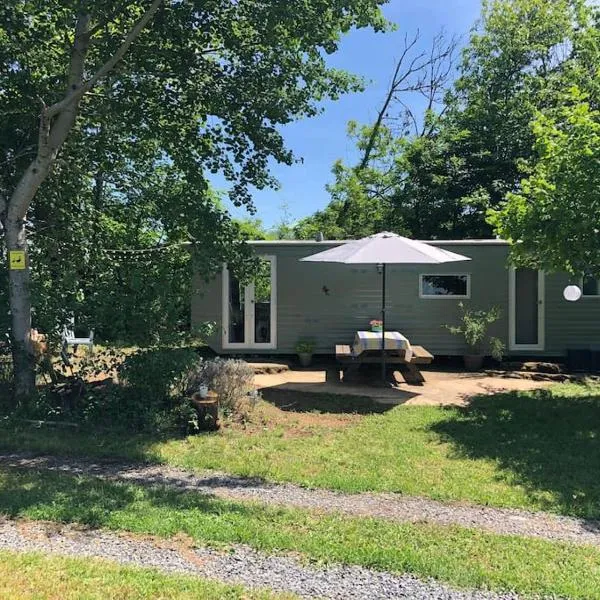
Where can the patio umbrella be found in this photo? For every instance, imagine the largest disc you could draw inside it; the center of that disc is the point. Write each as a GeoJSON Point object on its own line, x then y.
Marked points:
{"type": "Point", "coordinates": [384, 249]}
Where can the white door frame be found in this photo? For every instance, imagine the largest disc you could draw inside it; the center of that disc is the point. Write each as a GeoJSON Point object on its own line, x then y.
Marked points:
{"type": "Point", "coordinates": [512, 334]}
{"type": "Point", "coordinates": [249, 312]}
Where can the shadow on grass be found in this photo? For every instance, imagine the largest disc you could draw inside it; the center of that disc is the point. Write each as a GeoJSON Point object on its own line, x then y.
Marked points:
{"type": "Point", "coordinates": [102, 443]}
{"type": "Point", "coordinates": [304, 401]}
{"type": "Point", "coordinates": [97, 503]}
{"type": "Point", "coordinates": [545, 442]}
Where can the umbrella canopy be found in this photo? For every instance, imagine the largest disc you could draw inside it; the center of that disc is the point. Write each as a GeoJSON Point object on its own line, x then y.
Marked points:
{"type": "Point", "coordinates": [386, 248]}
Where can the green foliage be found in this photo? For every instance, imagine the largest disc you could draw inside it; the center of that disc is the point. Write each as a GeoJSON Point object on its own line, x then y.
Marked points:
{"type": "Point", "coordinates": [126, 211]}
{"type": "Point", "coordinates": [474, 328]}
{"type": "Point", "coordinates": [158, 373]}
{"type": "Point", "coordinates": [148, 394]}
{"type": "Point", "coordinates": [254, 229]}
{"type": "Point", "coordinates": [441, 183]}
{"type": "Point", "coordinates": [554, 219]}
{"type": "Point", "coordinates": [305, 346]}
{"type": "Point", "coordinates": [360, 204]}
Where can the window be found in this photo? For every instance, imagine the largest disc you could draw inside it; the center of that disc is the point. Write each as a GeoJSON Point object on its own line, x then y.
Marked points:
{"type": "Point", "coordinates": [590, 286]}
{"type": "Point", "coordinates": [445, 286]}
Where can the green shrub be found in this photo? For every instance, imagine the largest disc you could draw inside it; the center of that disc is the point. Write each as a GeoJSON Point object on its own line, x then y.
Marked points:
{"type": "Point", "coordinates": [152, 390]}
{"type": "Point", "coordinates": [474, 326]}
{"type": "Point", "coordinates": [148, 396]}
{"type": "Point", "coordinates": [305, 346]}
{"type": "Point", "coordinates": [158, 373]}
{"type": "Point", "coordinates": [5, 381]}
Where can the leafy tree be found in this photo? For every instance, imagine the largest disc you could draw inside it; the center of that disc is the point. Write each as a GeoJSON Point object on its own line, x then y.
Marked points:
{"type": "Point", "coordinates": [253, 228]}
{"type": "Point", "coordinates": [359, 195]}
{"type": "Point", "coordinates": [199, 86]}
{"type": "Point", "coordinates": [440, 179]}
{"type": "Point", "coordinates": [283, 229]}
{"type": "Point", "coordinates": [511, 68]}
{"type": "Point", "coordinates": [554, 220]}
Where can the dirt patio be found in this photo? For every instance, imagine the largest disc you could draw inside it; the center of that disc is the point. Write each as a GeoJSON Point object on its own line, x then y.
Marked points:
{"type": "Point", "coordinates": [441, 387]}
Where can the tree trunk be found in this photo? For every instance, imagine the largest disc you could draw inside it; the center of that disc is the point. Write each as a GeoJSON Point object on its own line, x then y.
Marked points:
{"type": "Point", "coordinates": [20, 309]}
{"type": "Point", "coordinates": [56, 123]}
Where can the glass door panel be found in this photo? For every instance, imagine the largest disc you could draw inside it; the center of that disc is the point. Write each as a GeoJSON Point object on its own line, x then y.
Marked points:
{"type": "Point", "coordinates": [249, 310]}
{"type": "Point", "coordinates": [262, 303]}
{"type": "Point", "coordinates": [237, 311]}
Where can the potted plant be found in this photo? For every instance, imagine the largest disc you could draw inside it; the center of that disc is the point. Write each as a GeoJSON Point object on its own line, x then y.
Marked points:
{"type": "Point", "coordinates": [376, 325]}
{"type": "Point", "coordinates": [305, 349]}
{"type": "Point", "coordinates": [473, 327]}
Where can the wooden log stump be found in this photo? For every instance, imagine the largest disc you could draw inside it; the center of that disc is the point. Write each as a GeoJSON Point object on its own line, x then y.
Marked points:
{"type": "Point", "coordinates": [207, 410]}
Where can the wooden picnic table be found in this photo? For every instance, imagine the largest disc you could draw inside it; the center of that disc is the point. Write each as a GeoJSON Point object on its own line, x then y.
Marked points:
{"type": "Point", "coordinates": [401, 355]}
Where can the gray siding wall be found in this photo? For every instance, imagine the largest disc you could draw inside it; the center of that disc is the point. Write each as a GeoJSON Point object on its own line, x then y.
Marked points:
{"type": "Point", "coordinates": [569, 324]}
{"type": "Point", "coordinates": [354, 298]}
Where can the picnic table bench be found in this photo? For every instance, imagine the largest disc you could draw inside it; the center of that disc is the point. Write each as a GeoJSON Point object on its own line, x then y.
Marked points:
{"type": "Point", "coordinates": [402, 357]}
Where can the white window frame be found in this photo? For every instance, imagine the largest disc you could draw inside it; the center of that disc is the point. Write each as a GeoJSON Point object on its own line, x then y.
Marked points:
{"type": "Point", "coordinates": [512, 312]}
{"type": "Point", "coordinates": [592, 296]}
{"type": "Point", "coordinates": [249, 315]}
{"type": "Point", "coordinates": [444, 296]}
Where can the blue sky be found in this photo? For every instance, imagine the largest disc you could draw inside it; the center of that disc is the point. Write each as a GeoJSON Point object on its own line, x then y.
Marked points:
{"type": "Point", "coordinates": [322, 140]}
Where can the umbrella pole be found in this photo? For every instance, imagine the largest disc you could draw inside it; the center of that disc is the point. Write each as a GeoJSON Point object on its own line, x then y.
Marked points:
{"type": "Point", "coordinates": [383, 324]}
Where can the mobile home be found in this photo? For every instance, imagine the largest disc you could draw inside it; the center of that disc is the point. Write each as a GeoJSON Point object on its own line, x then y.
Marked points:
{"type": "Point", "coordinates": [292, 300]}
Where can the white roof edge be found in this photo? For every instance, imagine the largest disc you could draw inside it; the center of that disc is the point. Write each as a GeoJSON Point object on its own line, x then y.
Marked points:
{"type": "Point", "coordinates": [465, 242]}
{"type": "Point", "coordinates": [468, 242]}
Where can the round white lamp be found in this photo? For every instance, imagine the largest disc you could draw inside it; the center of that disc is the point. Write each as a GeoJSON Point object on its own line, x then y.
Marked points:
{"type": "Point", "coordinates": [572, 293]}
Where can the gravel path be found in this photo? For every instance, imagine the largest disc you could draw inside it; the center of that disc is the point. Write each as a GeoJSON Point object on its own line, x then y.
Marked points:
{"type": "Point", "coordinates": [240, 565]}
{"type": "Point", "coordinates": [395, 507]}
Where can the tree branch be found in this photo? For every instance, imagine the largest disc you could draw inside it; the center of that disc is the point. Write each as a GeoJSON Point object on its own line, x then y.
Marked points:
{"type": "Point", "coordinates": [44, 130]}
{"type": "Point", "coordinates": [77, 94]}
{"type": "Point", "coordinates": [397, 79]}
{"type": "Point", "coordinates": [53, 134]}
{"type": "Point", "coordinates": [427, 73]}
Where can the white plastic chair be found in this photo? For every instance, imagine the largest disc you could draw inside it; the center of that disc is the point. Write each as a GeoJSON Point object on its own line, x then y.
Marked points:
{"type": "Point", "coordinates": [70, 339]}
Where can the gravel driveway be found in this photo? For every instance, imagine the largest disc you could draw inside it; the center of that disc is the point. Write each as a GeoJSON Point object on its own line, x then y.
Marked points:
{"type": "Point", "coordinates": [240, 565]}
{"type": "Point", "coordinates": [395, 507]}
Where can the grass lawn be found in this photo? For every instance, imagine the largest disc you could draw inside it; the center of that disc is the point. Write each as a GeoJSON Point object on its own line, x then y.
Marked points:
{"type": "Point", "coordinates": [536, 450]}
{"type": "Point", "coordinates": [460, 556]}
{"type": "Point", "coordinates": [34, 576]}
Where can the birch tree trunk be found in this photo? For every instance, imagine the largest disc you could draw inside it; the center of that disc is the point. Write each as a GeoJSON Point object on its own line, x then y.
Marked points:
{"type": "Point", "coordinates": [15, 236]}
{"type": "Point", "coordinates": [20, 307]}
{"type": "Point", "coordinates": [56, 123]}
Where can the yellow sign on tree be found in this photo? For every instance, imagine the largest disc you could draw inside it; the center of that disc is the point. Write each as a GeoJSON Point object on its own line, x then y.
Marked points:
{"type": "Point", "coordinates": [16, 260]}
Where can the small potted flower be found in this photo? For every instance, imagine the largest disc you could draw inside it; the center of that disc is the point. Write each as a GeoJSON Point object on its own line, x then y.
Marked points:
{"type": "Point", "coordinates": [376, 325]}
{"type": "Point", "coordinates": [305, 349]}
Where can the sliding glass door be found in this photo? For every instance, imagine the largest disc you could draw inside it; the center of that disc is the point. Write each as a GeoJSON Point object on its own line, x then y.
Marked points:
{"type": "Point", "coordinates": [250, 310]}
